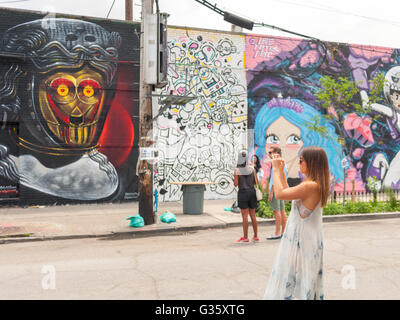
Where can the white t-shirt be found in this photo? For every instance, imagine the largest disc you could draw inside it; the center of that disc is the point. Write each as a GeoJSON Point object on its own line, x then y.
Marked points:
{"type": "Point", "coordinates": [260, 174]}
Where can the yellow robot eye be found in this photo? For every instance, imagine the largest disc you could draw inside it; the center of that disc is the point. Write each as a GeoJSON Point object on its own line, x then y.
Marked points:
{"type": "Point", "coordinates": [63, 90]}
{"type": "Point", "coordinates": [88, 91]}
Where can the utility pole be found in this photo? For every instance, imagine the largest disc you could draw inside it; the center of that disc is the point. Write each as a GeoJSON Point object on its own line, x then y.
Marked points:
{"type": "Point", "coordinates": [129, 10]}
{"type": "Point", "coordinates": [145, 167]}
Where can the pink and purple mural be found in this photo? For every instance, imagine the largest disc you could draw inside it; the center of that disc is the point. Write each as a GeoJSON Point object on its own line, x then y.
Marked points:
{"type": "Point", "coordinates": [283, 75]}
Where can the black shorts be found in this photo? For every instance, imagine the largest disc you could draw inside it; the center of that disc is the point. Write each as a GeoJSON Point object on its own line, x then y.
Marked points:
{"type": "Point", "coordinates": [247, 199]}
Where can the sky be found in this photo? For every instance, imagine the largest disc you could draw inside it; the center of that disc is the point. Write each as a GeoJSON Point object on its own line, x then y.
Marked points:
{"type": "Point", "coordinates": [368, 22]}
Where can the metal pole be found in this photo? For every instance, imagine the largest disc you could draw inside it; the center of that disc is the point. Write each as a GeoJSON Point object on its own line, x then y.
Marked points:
{"type": "Point", "coordinates": [145, 167]}
{"type": "Point", "coordinates": [129, 10]}
{"type": "Point", "coordinates": [344, 185]}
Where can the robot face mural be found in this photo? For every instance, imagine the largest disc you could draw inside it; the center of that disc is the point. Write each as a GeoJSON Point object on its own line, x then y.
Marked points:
{"type": "Point", "coordinates": [71, 84]}
{"type": "Point", "coordinates": [61, 94]}
{"type": "Point", "coordinates": [71, 105]}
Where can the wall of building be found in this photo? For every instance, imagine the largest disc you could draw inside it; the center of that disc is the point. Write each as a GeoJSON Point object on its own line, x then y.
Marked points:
{"type": "Point", "coordinates": [200, 140]}
{"type": "Point", "coordinates": [68, 109]}
{"type": "Point", "coordinates": [69, 91]}
{"type": "Point", "coordinates": [263, 87]}
{"type": "Point", "coordinates": [283, 74]}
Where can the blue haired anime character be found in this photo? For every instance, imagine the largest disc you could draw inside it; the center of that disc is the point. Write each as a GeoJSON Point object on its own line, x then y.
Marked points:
{"type": "Point", "coordinates": [283, 122]}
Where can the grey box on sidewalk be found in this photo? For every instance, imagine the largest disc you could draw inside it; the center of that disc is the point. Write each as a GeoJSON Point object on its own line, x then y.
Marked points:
{"type": "Point", "coordinates": [193, 199]}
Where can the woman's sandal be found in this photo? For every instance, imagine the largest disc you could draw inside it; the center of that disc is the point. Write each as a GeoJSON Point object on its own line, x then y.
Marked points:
{"type": "Point", "coordinates": [274, 237]}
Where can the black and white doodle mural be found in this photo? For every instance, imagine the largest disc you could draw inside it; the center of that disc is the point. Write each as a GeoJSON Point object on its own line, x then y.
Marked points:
{"type": "Point", "coordinates": [199, 141]}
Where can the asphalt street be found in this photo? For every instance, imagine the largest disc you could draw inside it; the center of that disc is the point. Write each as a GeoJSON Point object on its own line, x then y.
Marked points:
{"type": "Point", "coordinates": [361, 261]}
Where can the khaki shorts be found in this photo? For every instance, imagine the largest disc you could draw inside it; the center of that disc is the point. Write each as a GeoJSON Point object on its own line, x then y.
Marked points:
{"type": "Point", "coordinates": [276, 204]}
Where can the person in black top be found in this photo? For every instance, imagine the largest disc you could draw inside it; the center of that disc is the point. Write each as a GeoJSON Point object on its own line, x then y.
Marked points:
{"type": "Point", "coordinates": [259, 169]}
{"type": "Point", "coordinates": [256, 163]}
{"type": "Point", "coordinates": [245, 178]}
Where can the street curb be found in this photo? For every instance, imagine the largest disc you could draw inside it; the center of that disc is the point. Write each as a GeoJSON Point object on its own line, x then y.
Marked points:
{"type": "Point", "coordinates": [173, 230]}
{"type": "Point", "coordinates": [360, 216]}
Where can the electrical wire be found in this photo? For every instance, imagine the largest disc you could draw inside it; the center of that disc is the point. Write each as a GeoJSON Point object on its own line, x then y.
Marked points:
{"type": "Point", "coordinates": [210, 6]}
{"type": "Point", "coordinates": [262, 24]}
{"type": "Point", "coordinates": [336, 10]}
{"type": "Point", "coordinates": [112, 6]}
{"type": "Point", "coordinates": [221, 12]}
{"type": "Point", "coordinates": [318, 42]}
{"type": "Point", "coordinates": [13, 1]}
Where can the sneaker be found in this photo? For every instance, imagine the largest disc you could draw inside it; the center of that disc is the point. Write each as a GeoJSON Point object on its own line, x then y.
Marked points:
{"type": "Point", "coordinates": [274, 237]}
{"type": "Point", "coordinates": [255, 239]}
{"type": "Point", "coordinates": [242, 240]}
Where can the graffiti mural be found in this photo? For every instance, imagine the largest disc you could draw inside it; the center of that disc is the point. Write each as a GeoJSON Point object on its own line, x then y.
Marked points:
{"type": "Point", "coordinates": [380, 157]}
{"type": "Point", "coordinates": [63, 92]}
{"type": "Point", "coordinates": [268, 84]}
{"type": "Point", "coordinates": [199, 141]}
{"type": "Point", "coordinates": [282, 77]}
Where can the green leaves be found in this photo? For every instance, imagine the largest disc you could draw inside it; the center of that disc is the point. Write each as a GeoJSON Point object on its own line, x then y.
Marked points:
{"type": "Point", "coordinates": [342, 94]}
{"type": "Point", "coordinates": [316, 125]}
{"type": "Point", "coordinates": [264, 209]}
{"type": "Point", "coordinates": [373, 183]}
{"type": "Point", "coordinates": [393, 205]}
{"type": "Point", "coordinates": [376, 87]}
{"type": "Point", "coordinates": [340, 97]}
{"type": "Point", "coordinates": [336, 93]}
{"type": "Point", "coordinates": [360, 207]}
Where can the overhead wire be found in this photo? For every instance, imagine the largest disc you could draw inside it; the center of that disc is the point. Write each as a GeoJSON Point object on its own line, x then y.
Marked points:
{"type": "Point", "coordinates": [362, 47]}
{"type": "Point", "coordinates": [13, 1]}
{"type": "Point", "coordinates": [323, 7]}
{"type": "Point", "coordinates": [112, 6]}
{"type": "Point", "coordinates": [318, 41]}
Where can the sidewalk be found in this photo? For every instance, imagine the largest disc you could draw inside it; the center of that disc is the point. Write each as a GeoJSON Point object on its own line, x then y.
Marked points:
{"type": "Point", "coordinates": [109, 221]}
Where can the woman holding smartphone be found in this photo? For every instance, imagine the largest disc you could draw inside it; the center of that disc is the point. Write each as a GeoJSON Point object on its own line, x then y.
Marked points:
{"type": "Point", "coordinates": [298, 270]}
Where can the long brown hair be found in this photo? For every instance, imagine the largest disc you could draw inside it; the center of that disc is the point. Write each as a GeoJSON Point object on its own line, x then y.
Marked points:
{"type": "Point", "coordinates": [318, 169]}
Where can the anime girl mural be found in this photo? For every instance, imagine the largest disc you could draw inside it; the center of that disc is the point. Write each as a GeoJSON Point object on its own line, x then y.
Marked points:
{"type": "Point", "coordinates": [283, 111]}
{"type": "Point", "coordinates": [384, 166]}
{"type": "Point", "coordinates": [283, 122]}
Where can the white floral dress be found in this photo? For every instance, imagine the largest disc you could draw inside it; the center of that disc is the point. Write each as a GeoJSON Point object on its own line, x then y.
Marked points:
{"type": "Point", "coordinates": [297, 271]}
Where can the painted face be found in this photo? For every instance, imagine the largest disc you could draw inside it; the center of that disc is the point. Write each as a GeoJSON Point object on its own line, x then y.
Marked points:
{"type": "Point", "coordinates": [285, 135]}
{"type": "Point", "coordinates": [71, 104]}
{"type": "Point", "coordinates": [395, 97]}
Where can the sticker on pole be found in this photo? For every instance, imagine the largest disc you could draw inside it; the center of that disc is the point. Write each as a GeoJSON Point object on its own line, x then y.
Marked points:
{"type": "Point", "coordinates": [345, 163]}
{"type": "Point", "coordinates": [148, 153]}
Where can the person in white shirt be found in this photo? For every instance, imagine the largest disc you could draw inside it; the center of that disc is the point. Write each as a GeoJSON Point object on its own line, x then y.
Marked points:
{"type": "Point", "coordinates": [277, 205]}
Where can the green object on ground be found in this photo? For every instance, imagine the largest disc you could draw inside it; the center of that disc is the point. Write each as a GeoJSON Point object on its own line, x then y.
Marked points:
{"type": "Point", "coordinates": [168, 217]}
{"type": "Point", "coordinates": [136, 221]}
